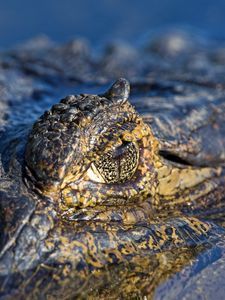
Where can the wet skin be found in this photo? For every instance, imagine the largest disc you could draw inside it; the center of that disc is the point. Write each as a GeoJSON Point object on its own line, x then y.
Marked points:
{"type": "Point", "coordinates": [93, 192]}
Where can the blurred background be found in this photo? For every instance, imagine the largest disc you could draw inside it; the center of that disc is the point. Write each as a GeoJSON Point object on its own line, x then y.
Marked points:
{"type": "Point", "coordinates": [102, 20]}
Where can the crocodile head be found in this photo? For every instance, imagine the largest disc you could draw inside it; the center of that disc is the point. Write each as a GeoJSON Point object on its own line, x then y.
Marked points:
{"type": "Point", "coordinates": [95, 150]}
{"type": "Point", "coordinates": [95, 159]}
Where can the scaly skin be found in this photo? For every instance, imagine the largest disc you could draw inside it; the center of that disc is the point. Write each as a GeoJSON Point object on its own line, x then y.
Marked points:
{"type": "Point", "coordinates": [67, 144]}
{"type": "Point", "coordinates": [101, 202]}
{"type": "Point", "coordinates": [68, 150]}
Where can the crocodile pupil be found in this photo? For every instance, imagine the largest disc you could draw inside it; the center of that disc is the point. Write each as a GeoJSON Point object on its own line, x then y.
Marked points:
{"type": "Point", "coordinates": [119, 165]}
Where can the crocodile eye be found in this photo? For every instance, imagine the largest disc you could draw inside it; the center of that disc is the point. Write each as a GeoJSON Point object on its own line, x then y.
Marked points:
{"type": "Point", "coordinates": [117, 165]}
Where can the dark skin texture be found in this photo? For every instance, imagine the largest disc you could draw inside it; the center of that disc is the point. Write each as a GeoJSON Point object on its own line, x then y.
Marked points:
{"type": "Point", "coordinates": [87, 244]}
{"type": "Point", "coordinates": [72, 228]}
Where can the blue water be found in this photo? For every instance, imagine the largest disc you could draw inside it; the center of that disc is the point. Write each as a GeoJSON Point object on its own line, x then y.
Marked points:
{"type": "Point", "coordinates": [101, 20]}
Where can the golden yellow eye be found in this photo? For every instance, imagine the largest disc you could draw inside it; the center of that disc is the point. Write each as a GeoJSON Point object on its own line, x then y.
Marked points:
{"type": "Point", "coordinates": [117, 165]}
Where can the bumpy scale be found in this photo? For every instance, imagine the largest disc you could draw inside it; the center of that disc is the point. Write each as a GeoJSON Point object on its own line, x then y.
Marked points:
{"type": "Point", "coordinates": [94, 150]}
{"type": "Point", "coordinates": [95, 178]}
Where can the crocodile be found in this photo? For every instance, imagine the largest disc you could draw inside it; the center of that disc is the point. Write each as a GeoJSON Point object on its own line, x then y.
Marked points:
{"type": "Point", "coordinates": [99, 201]}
